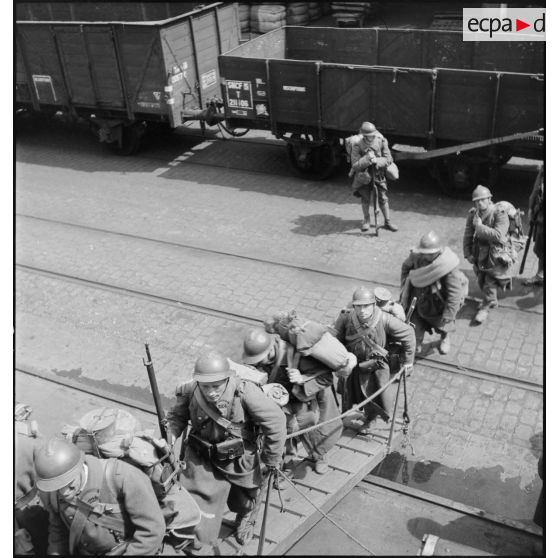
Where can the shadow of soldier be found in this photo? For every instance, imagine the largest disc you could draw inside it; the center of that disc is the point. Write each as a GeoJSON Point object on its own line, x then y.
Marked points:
{"type": "Point", "coordinates": [323, 224]}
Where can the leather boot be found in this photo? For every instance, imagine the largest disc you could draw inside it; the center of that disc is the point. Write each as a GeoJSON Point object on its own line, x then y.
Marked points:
{"type": "Point", "coordinates": [387, 223]}
{"type": "Point", "coordinates": [244, 530]}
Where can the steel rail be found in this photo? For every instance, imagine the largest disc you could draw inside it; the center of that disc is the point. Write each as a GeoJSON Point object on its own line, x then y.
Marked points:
{"type": "Point", "coordinates": [451, 504]}
{"type": "Point", "coordinates": [379, 482]}
{"type": "Point", "coordinates": [319, 270]}
{"type": "Point", "coordinates": [257, 320]}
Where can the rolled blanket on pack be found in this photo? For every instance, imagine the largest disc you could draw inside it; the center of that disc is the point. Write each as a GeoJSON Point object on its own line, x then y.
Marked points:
{"type": "Point", "coordinates": [422, 277]}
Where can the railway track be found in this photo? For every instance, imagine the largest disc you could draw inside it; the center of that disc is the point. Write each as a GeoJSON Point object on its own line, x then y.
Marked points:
{"type": "Point", "coordinates": [256, 320]}
{"type": "Point", "coordinates": [242, 257]}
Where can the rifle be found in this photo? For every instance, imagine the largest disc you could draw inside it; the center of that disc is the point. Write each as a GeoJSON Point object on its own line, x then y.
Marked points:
{"type": "Point", "coordinates": [532, 227]}
{"type": "Point", "coordinates": [376, 208]}
{"type": "Point", "coordinates": [156, 394]}
{"type": "Point", "coordinates": [411, 310]}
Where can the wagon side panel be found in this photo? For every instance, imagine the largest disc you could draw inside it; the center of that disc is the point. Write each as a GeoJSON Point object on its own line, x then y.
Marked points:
{"type": "Point", "coordinates": [142, 69]}
{"type": "Point", "coordinates": [245, 92]}
{"type": "Point", "coordinates": [397, 102]}
{"type": "Point", "coordinates": [464, 105]}
{"type": "Point", "coordinates": [511, 116]}
{"type": "Point", "coordinates": [42, 67]}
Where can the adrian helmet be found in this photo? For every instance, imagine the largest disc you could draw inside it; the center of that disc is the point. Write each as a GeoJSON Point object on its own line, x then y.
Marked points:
{"type": "Point", "coordinates": [57, 464]}
{"type": "Point", "coordinates": [212, 367]}
{"type": "Point", "coordinates": [481, 192]}
{"type": "Point", "coordinates": [257, 344]}
{"type": "Point", "coordinates": [363, 296]}
{"type": "Point", "coordinates": [430, 243]}
{"type": "Point", "coordinates": [367, 129]}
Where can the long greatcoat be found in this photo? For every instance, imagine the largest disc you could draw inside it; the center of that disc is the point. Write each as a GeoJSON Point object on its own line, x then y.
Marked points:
{"type": "Point", "coordinates": [209, 481]}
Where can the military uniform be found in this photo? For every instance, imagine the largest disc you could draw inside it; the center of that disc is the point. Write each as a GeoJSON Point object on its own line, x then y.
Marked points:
{"type": "Point", "coordinates": [377, 150]}
{"type": "Point", "coordinates": [368, 341]}
{"type": "Point", "coordinates": [310, 402]}
{"type": "Point", "coordinates": [440, 293]}
{"type": "Point", "coordinates": [210, 479]}
{"type": "Point", "coordinates": [116, 510]}
{"type": "Point", "coordinates": [31, 519]}
{"type": "Point", "coordinates": [537, 215]}
{"type": "Point", "coordinates": [483, 244]}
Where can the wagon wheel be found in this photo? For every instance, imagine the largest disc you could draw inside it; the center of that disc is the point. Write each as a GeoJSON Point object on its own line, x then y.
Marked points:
{"type": "Point", "coordinates": [131, 139]}
{"type": "Point", "coordinates": [312, 162]}
{"type": "Point", "coordinates": [457, 176]}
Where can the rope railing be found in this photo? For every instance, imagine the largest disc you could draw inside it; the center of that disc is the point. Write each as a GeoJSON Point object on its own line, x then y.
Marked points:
{"type": "Point", "coordinates": [350, 411]}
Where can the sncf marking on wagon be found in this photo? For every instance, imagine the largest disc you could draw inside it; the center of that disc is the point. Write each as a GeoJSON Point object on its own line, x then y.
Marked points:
{"type": "Point", "coordinates": [239, 94]}
{"type": "Point", "coordinates": [297, 88]}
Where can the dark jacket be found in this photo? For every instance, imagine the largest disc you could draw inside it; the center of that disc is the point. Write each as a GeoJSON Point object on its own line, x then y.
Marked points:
{"type": "Point", "coordinates": [440, 301]}
{"type": "Point", "coordinates": [381, 329]}
{"type": "Point", "coordinates": [482, 242]}
{"type": "Point", "coordinates": [242, 403]}
{"type": "Point", "coordinates": [130, 498]}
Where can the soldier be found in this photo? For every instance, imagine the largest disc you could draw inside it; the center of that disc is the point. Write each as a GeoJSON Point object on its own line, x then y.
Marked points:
{"type": "Point", "coordinates": [308, 382]}
{"type": "Point", "coordinates": [30, 517]}
{"type": "Point", "coordinates": [485, 244]}
{"type": "Point", "coordinates": [366, 330]}
{"type": "Point", "coordinates": [97, 506]}
{"type": "Point", "coordinates": [431, 273]}
{"type": "Point", "coordinates": [536, 217]}
{"type": "Point", "coordinates": [371, 155]}
{"type": "Point", "coordinates": [385, 302]}
{"type": "Point", "coordinates": [231, 419]}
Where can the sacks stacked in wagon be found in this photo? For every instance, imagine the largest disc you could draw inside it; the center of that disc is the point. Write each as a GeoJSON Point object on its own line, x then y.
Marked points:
{"type": "Point", "coordinates": [297, 13]}
{"type": "Point", "coordinates": [314, 10]}
{"type": "Point", "coordinates": [244, 17]}
{"type": "Point", "coordinates": [353, 10]}
{"type": "Point", "coordinates": [312, 339]}
{"type": "Point", "coordinates": [267, 17]}
{"type": "Point", "coordinates": [107, 432]}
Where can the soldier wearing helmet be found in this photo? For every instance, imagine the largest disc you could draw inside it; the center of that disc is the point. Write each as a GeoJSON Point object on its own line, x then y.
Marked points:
{"type": "Point", "coordinates": [370, 155]}
{"type": "Point", "coordinates": [96, 506]}
{"type": "Point", "coordinates": [366, 331]}
{"type": "Point", "coordinates": [431, 274]}
{"type": "Point", "coordinates": [484, 240]}
{"type": "Point", "coordinates": [30, 517]}
{"type": "Point", "coordinates": [308, 382]}
{"type": "Point", "coordinates": [237, 436]}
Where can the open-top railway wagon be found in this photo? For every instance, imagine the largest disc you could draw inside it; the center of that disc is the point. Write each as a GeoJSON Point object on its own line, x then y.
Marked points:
{"type": "Point", "coordinates": [123, 75]}
{"type": "Point", "coordinates": [470, 103]}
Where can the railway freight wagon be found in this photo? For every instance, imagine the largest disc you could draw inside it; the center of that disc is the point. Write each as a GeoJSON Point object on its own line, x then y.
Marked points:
{"type": "Point", "coordinates": [124, 76]}
{"type": "Point", "coordinates": [468, 105]}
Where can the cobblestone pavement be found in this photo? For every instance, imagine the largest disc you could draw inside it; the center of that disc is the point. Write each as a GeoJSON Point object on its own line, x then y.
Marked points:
{"type": "Point", "coordinates": [65, 327]}
{"type": "Point", "coordinates": [511, 347]}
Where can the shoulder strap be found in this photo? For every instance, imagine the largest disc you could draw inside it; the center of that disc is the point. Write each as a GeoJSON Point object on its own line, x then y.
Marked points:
{"type": "Point", "coordinates": [215, 416]}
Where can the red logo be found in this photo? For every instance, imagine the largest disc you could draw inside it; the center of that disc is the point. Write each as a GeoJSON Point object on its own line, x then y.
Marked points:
{"type": "Point", "coordinates": [519, 25]}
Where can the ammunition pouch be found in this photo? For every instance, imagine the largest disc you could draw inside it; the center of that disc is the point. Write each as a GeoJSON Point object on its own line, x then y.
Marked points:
{"type": "Point", "coordinates": [229, 449]}
{"type": "Point", "coordinates": [200, 446]}
{"type": "Point", "coordinates": [222, 451]}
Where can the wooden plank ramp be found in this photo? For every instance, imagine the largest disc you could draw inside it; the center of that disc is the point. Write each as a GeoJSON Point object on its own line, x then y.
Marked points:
{"type": "Point", "coordinates": [352, 458]}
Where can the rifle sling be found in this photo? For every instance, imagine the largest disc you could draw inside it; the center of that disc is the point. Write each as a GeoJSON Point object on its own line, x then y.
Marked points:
{"type": "Point", "coordinates": [20, 503]}
{"type": "Point", "coordinates": [229, 426]}
{"type": "Point", "coordinates": [362, 334]}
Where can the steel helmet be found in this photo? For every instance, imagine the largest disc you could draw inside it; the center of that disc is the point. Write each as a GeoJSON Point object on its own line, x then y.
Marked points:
{"type": "Point", "coordinates": [57, 464]}
{"type": "Point", "coordinates": [257, 344]}
{"type": "Point", "coordinates": [212, 367]}
{"type": "Point", "coordinates": [430, 243]}
{"type": "Point", "coordinates": [367, 129]}
{"type": "Point", "coordinates": [481, 192]}
{"type": "Point", "coordinates": [363, 295]}
{"type": "Point", "coordinates": [382, 295]}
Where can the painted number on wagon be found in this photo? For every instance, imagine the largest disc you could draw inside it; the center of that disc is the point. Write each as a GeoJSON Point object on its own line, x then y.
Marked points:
{"type": "Point", "coordinates": [239, 94]}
